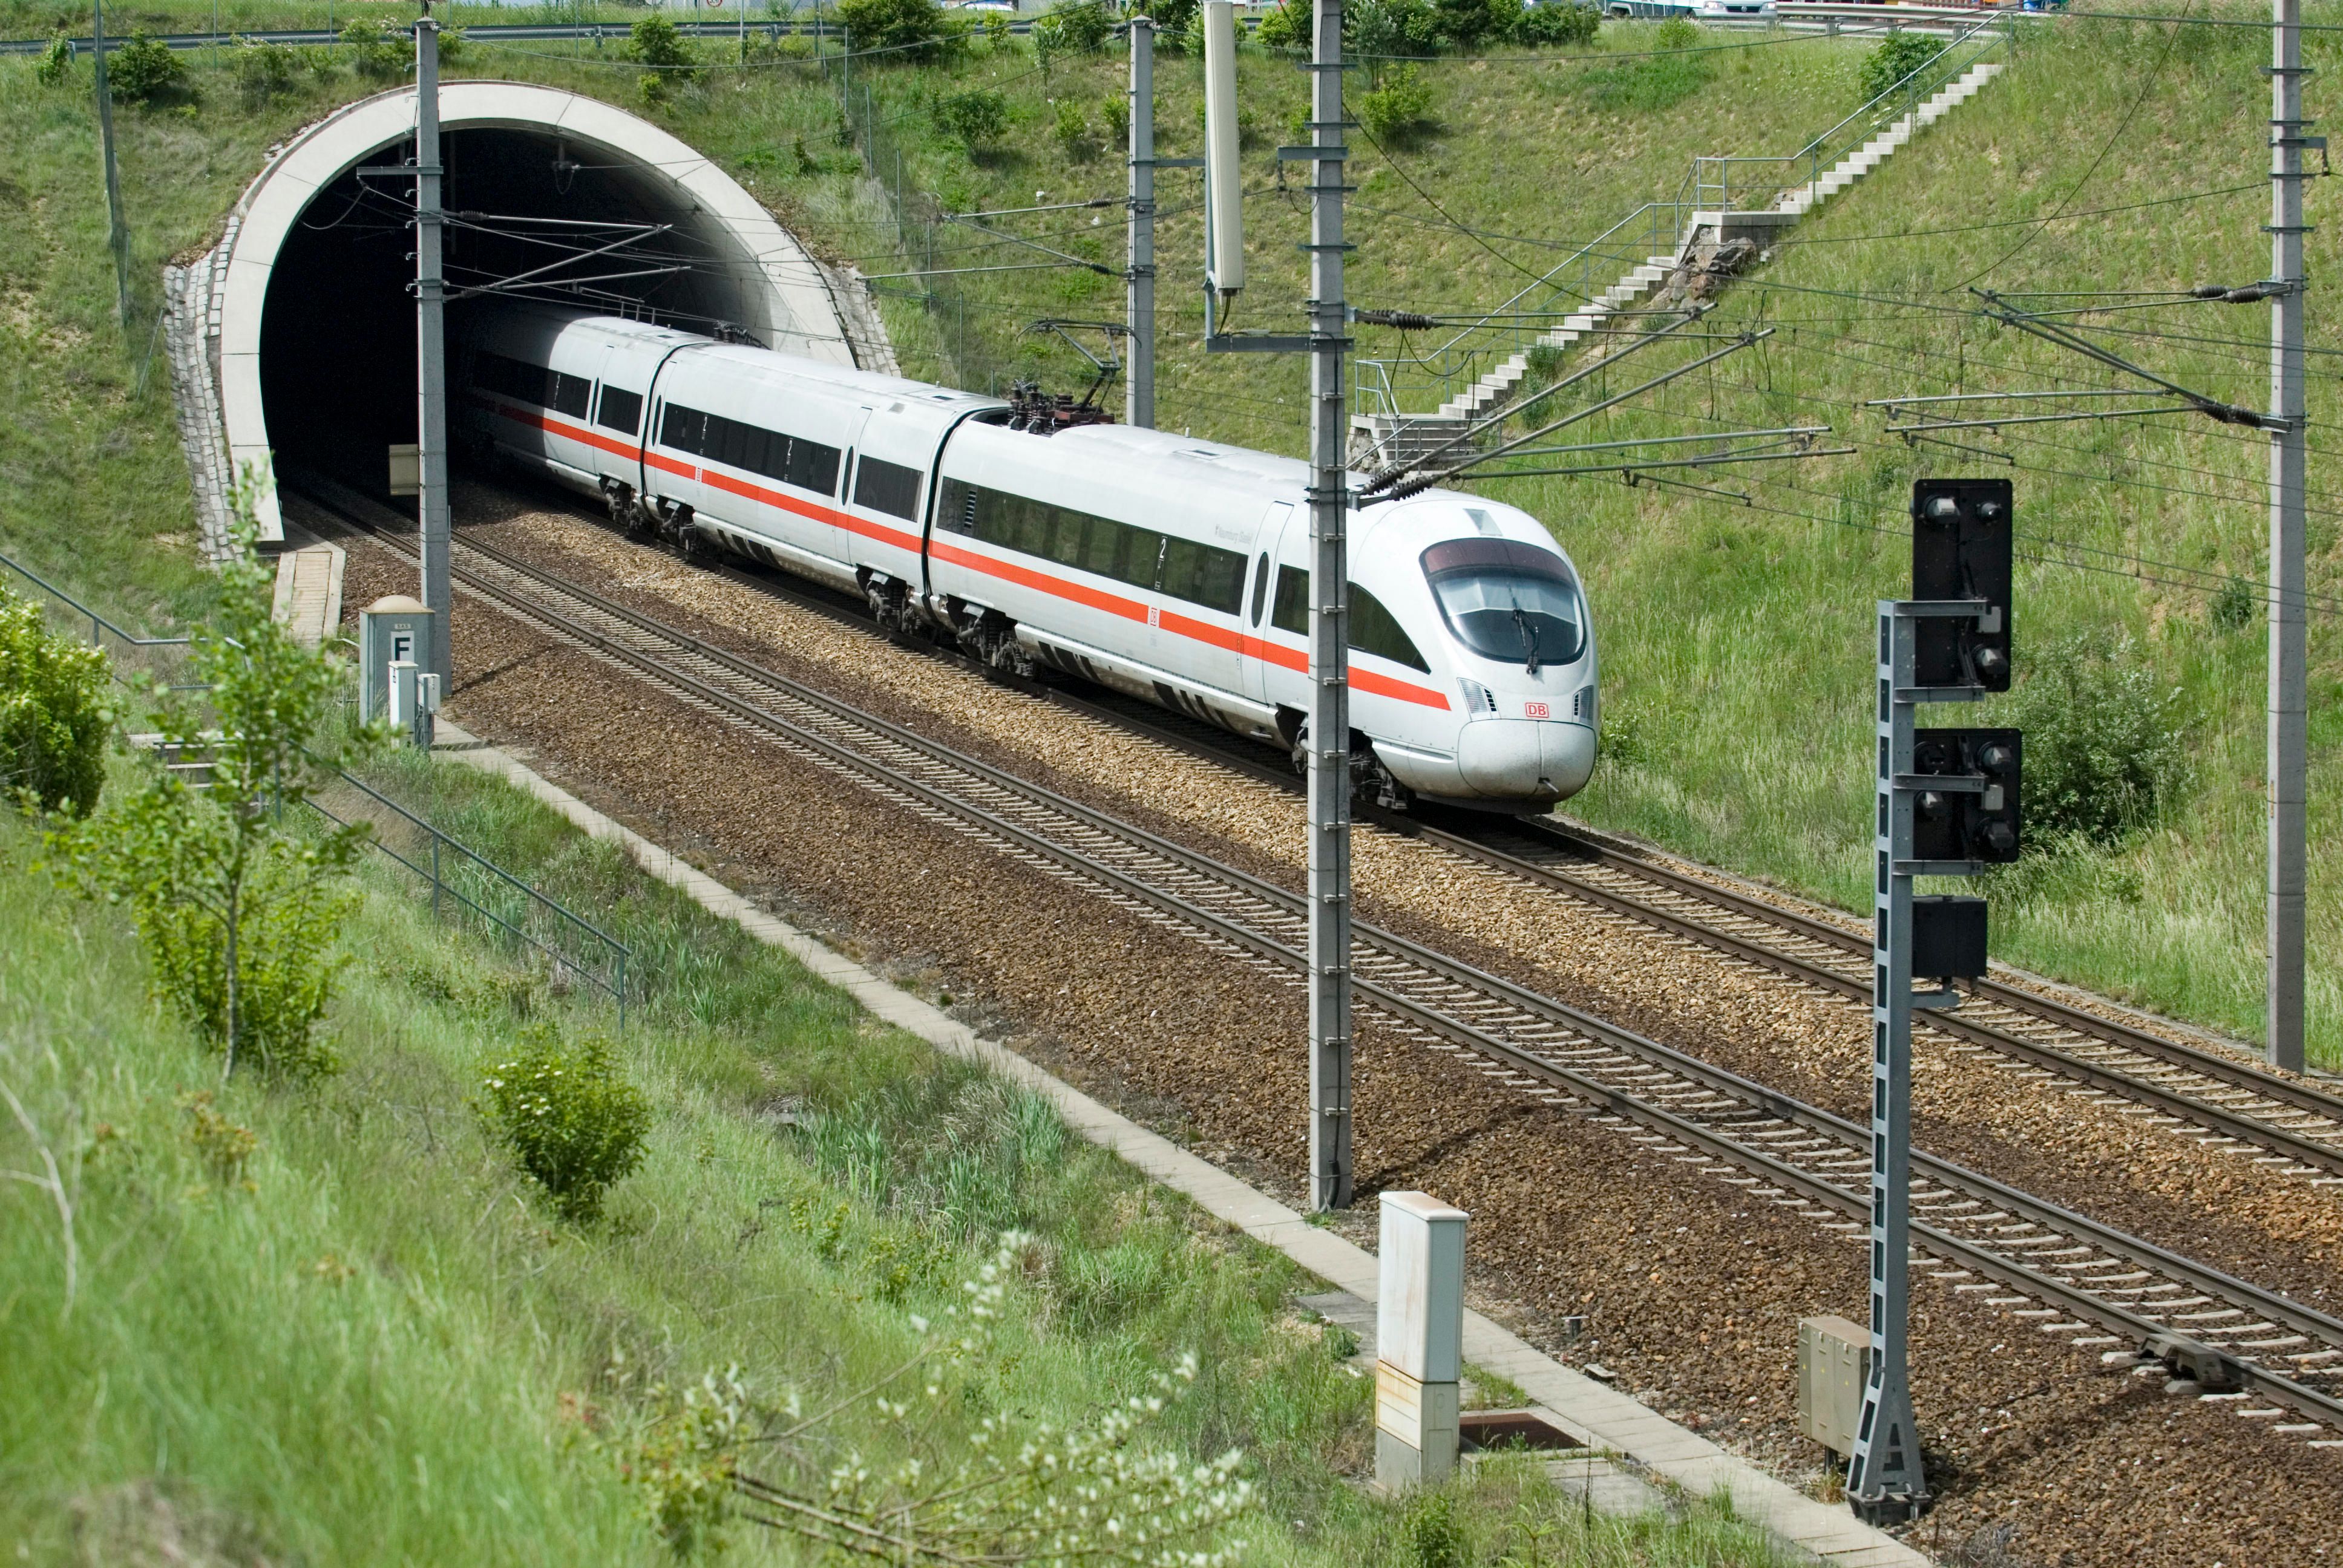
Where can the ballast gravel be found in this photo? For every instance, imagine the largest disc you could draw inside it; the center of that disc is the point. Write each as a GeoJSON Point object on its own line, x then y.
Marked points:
{"type": "Point", "coordinates": [1690, 1292]}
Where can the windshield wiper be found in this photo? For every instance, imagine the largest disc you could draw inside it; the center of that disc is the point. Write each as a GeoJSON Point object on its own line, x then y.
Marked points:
{"type": "Point", "coordinates": [1529, 637]}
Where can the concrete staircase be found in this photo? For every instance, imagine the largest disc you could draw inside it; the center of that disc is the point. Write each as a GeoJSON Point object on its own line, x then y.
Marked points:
{"type": "Point", "coordinates": [1385, 440]}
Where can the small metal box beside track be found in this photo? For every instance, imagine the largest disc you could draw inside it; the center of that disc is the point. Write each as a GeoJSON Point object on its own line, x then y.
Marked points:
{"type": "Point", "coordinates": [1834, 1360]}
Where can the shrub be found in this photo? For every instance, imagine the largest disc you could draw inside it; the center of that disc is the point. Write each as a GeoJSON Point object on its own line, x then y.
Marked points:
{"type": "Point", "coordinates": [1558, 23]}
{"type": "Point", "coordinates": [564, 1113]}
{"type": "Point", "coordinates": [376, 51]}
{"type": "Point", "coordinates": [2235, 607]}
{"type": "Point", "coordinates": [1000, 32]}
{"type": "Point", "coordinates": [1070, 124]}
{"type": "Point", "coordinates": [655, 44]}
{"type": "Point", "coordinates": [57, 62]}
{"type": "Point", "coordinates": [977, 117]}
{"type": "Point", "coordinates": [54, 714]}
{"type": "Point", "coordinates": [239, 915]}
{"type": "Point", "coordinates": [1117, 110]}
{"type": "Point", "coordinates": [1286, 27]}
{"type": "Point", "coordinates": [917, 29]}
{"type": "Point", "coordinates": [1898, 56]}
{"type": "Point", "coordinates": [1175, 21]}
{"type": "Point", "coordinates": [262, 70]}
{"type": "Point", "coordinates": [1399, 109]}
{"type": "Point", "coordinates": [143, 71]}
{"type": "Point", "coordinates": [1468, 24]}
{"type": "Point", "coordinates": [1390, 27]}
{"type": "Point", "coordinates": [2105, 749]}
{"type": "Point", "coordinates": [1676, 32]}
{"type": "Point", "coordinates": [1080, 28]}
{"type": "Point", "coordinates": [1432, 1534]}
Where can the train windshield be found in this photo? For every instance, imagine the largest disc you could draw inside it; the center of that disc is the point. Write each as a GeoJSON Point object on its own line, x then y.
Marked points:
{"type": "Point", "coordinates": [1508, 601]}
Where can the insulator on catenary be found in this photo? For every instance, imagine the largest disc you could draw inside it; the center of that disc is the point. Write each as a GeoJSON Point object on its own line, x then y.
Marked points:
{"type": "Point", "coordinates": [1405, 321]}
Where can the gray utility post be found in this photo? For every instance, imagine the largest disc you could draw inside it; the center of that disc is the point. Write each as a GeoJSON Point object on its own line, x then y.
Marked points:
{"type": "Point", "coordinates": [2289, 757]}
{"type": "Point", "coordinates": [1139, 282]}
{"type": "Point", "coordinates": [431, 353]}
{"type": "Point", "coordinates": [1330, 622]}
{"type": "Point", "coordinates": [117, 227]}
{"type": "Point", "coordinates": [1884, 1476]}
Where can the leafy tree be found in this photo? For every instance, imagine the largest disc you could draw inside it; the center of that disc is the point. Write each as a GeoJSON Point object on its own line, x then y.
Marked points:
{"type": "Point", "coordinates": [1468, 24]}
{"type": "Point", "coordinates": [263, 70]}
{"type": "Point", "coordinates": [568, 1116]}
{"type": "Point", "coordinates": [143, 71]}
{"type": "Point", "coordinates": [239, 915]}
{"type": "Point", "coordinates": [1898, 56]}
{"type": "Point", "coordinates": [1286, 27]}
{"type": "Point", "coordinates": [376, 51]}
{"type": "Point", "coordinates": [1000, 32]}
{"type": "Point", "coordinates": [1080, 28]}
{"type": "Point", "coordinates": [1558, 23]}
{"type": "Point", "coordinates": [54, 714]}
{"type": "Point", "coordinates": [1398, 110]}
{"type": "Point", "coordinates": [1389, 27]}
{"type": "Point", "coordinates": [918, 29]}
{"type": "Point", "coordinates": [977, 117]}
{"type": "Point", "coordinates": [57, 62]}
{"type": "Point", "coordinates": [655, 43]}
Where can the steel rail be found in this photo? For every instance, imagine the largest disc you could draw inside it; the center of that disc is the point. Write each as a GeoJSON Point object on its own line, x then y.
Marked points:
{"type": "Point", "coordinates": [1774, 1108]}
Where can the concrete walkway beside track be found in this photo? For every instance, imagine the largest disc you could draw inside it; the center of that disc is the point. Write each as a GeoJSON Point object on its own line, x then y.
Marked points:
{"type": "Point", "coordinates": [1598, 1416]}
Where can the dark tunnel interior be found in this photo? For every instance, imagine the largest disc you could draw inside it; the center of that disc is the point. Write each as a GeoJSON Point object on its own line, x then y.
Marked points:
{"type": "Point", "coordinates": [337, 344]}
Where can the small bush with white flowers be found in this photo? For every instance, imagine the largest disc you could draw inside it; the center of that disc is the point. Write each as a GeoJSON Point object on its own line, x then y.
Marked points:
{"type": "Point", "coordinates": [568, 1117]}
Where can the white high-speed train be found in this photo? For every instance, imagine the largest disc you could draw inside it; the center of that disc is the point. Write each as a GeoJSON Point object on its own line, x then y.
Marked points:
{"type": "Point", "coordinates": [1172, 568]}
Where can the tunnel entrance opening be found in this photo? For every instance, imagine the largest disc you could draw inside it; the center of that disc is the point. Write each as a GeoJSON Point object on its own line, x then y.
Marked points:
{"type": "Point", "coordinates": [337, 342]}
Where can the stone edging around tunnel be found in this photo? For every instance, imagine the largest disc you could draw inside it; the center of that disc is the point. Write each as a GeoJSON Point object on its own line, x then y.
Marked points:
{"type": "Point", "coordinates": [1601, 1418]}
{"type": "Point", "coordinates": [809, 308]}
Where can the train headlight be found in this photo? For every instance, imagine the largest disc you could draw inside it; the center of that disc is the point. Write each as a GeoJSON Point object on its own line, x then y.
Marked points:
{"type": "Point", "coordinates": [1480, 702]}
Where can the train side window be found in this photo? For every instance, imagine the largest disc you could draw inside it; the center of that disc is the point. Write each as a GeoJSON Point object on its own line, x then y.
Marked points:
{"type": "Point", "coordinates": [813, 466]}
{"type": "Point", "coordinates": [956, 506]}
{"type": "Point", "coordinates": [569, 395]}
{"type": "Point", "coordinates": [1204, 574]}
{"type": "Point", "coordinates": [888, 487]}
{"type": "Point", "coordinates": [1260, 588]}
{"type": "Point", "coordinates": [685, 429]}
{"type": "Point", "coordinates": [621, 410]}
{"type": "Point", "coordinates": [1292, 609]}
{"type": "Point", "coordinates": [1374, 630]}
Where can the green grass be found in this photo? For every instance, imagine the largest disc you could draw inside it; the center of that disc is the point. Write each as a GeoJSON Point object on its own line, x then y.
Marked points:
{"type": "Point", "coordinates": [370, 1342]}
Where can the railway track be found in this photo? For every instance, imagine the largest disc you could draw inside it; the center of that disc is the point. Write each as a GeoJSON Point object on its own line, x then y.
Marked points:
{"type": "Point", "coordinates": [2220, 1100]}
{"type": "Point", "coordinates": [2095, 1285]}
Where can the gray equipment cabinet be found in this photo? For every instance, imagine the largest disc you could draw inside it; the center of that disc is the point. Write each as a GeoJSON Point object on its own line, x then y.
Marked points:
{"type": "Point", "coordinates": [395, 629]}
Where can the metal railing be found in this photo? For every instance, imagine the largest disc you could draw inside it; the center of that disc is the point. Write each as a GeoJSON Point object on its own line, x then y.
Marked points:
{"type": "Point", "coordinates": [1765, 180]}
{"type": "Point", "coordinates": [608, 976]}
{"type": "Point", "coordinates": [141, 651]}
{"type": "Point", "coordinates": [560, 933]}
{"type": "Point", "coordinates": [1415, 385]}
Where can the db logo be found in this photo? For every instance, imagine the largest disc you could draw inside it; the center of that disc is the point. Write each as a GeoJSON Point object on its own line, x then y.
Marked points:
{"type": "Point", "coordinates": [1537, 710]}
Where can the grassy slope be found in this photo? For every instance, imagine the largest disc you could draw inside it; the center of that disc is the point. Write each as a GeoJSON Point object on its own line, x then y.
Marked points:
{"type": "Point", "coordinates": [364, 1356]}
{"type": "Point", "coordinates": [1734, 635]}
{"type": "Point", "coordinates": [1739, 637]}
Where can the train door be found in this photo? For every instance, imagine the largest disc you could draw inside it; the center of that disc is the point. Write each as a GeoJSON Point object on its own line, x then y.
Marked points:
{"type": "Point", "coordinates": [1274, 672]}
{"type": "Point", "coordinates": [570, 384]}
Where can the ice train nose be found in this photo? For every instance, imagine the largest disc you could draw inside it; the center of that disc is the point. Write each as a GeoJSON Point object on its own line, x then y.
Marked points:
{"type": "Point", "coordinates": [1511, 758]}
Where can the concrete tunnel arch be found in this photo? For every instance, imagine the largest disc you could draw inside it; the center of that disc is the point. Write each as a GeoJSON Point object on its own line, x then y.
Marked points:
{"type": "Point", "coordinates": [300, 317]}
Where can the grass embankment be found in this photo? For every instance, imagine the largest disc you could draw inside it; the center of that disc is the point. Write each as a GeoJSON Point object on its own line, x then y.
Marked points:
{"type": "Point", "coordinates": [363, 1337]}
{"type": "Point", "coordinates": [1735, 635]}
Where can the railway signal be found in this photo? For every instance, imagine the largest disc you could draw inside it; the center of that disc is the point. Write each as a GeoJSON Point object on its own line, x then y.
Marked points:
{"type": "Point", "coordinates": [1947, 805]}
